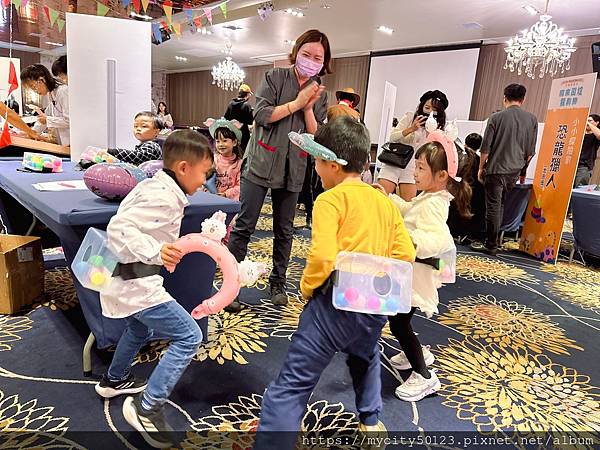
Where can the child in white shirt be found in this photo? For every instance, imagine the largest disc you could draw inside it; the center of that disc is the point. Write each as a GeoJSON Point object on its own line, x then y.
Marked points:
{"type": "Point", "coordinates": [425, 218]}
{"type": "Point", "coordinates": [141, 235]}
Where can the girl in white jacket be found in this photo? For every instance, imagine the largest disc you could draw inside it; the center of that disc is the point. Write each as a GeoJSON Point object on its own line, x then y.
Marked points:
{"type": "Point", "coordinates": [425, 219]}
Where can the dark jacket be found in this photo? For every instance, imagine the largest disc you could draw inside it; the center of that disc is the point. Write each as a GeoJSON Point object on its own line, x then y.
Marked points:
{"type": "Point", "coordinates": [240, 110]}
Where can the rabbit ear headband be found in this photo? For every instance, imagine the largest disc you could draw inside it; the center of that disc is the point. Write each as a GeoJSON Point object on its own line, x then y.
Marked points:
{"type": "Point", "coordinates": [447, 138]}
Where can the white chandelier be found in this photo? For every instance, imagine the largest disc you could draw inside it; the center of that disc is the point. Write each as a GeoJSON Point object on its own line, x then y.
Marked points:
{"type": "Point", "coordinates": [543, 46]}
{"type": "Point", "coordinates": [227, 74]}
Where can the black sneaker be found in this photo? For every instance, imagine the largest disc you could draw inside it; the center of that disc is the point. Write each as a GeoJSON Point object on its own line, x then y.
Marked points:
{"type": "Point", "coordinates": [109, 389]}
{"type": "Point", "coordinates": [479, 247]}
{"type": "Point", "coordinates": [152, 425]}
{"type": "Point", "coordinates": [278, 295]}
{"type": "Point", "coordinates": [235, 306]}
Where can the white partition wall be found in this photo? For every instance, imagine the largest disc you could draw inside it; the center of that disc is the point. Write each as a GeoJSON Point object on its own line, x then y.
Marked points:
{"type": "Point", "coordinates": [97, 47]}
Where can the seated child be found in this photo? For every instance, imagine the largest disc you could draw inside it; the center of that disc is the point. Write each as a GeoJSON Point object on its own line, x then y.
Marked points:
{"type": "Point", "coordinates": [141, 235]}
{"type": "Point", "coordinates": [425, 217]}
{"type": "Point", "coordinates": [349, 216]}
{"type": "Point", "coordinates": [146, 126]}
{"type": "Point", "coordinates": [228, 156]}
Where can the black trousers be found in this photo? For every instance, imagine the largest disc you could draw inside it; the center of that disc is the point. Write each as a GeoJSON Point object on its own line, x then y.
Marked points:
{"type": "Point", "coordinates": [252, 197]}
{"type": "Point", "coordinates": [496, 186]}
{"type": "Point", "coordinates": [406, 337]}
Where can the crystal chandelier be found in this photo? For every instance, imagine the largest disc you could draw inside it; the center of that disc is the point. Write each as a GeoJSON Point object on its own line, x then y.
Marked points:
{"type": "Point", "coordinates": [227, 74]}
{"type": "Point", "coordinates": [543, 46]}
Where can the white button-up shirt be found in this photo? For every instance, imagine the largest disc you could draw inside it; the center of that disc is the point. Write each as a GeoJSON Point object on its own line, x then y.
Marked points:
{"type": "Point", "coordinates": [57, 115]}
{"type": "Point", "coordinates": [149, 217]}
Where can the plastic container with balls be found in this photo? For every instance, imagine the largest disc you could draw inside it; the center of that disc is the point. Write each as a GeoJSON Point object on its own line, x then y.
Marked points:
{"type": "Point", "coordinates": [372, 284]}
{"type": "Point", "coordinates": [447, 266]}
{"type": "Point", "coordinates": [94, 263]}
{"type": "Point", "coordinates": [37, 162]}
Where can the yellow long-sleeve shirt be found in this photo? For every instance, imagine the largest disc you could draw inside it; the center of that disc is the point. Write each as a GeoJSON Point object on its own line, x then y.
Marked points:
{"type": "Point", "coordinates": [353, 217]}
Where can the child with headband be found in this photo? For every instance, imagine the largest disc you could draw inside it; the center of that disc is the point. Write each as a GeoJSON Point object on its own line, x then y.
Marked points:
{"type": "Point", "coordinates": [425, 218]}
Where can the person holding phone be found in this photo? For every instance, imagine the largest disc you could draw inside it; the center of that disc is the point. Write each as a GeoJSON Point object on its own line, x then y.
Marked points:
{"type": "Point", "coordinates": [411, 131]}
{"type": "Point", "coordinates": [288, 99]}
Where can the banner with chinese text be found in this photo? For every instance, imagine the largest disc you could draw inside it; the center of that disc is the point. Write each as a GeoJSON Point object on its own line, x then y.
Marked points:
{"type": "Point", "coordinates": [564, 128]}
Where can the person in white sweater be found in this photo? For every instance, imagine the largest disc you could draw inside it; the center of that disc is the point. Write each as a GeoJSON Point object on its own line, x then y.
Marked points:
{"type": "Point", "coordinates": [425, 218]}
{"type": "Point", "coordinates": [411, 131]}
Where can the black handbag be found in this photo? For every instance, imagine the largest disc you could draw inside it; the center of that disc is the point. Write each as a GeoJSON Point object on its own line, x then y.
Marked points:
{"type": "Point", "coordinates": [396, 154]}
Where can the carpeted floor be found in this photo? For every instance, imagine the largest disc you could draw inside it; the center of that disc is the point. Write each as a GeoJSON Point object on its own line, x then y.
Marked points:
{"type": "Point", "coordinates": [516, 346]}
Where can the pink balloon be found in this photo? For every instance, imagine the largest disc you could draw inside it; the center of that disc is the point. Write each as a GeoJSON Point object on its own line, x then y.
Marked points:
{"type": "Point", "coordinates": [197, 242]}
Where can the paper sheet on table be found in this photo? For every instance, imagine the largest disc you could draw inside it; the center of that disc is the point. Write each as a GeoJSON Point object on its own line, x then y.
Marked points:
{"type": "Point", "coordinates": [66, 185]}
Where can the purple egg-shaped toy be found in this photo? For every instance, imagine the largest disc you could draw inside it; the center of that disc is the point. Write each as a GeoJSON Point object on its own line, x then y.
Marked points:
{"type": "Point", "coordinates": [151, 167]}
{"type": "Point", "coordinates": [138, 173]}
{"type": "Point", "coordinates": [110, 181]}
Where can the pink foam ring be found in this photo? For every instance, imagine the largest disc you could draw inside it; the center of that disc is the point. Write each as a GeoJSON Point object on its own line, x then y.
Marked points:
{"type": "Point", "coordinates": [373, 303]}
{"type": "Point", "coordinates": [351, 295]}
{"type": "Point", "coordinates": [197, 242]}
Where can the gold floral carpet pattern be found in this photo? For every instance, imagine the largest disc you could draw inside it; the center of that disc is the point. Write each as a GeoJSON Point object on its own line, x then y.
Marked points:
{"type": "Point", "coordinates": [516, 346]}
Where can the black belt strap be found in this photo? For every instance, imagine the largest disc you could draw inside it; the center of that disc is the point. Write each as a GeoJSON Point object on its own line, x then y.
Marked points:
{"type": "Point", "coordinates": [135, 270]}
{"type": "Point", "coordinates": [433, 262]}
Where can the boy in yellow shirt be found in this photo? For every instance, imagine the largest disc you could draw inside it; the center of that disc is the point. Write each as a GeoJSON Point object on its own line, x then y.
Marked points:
{"type": "Point", "coordinates": [350, 216]}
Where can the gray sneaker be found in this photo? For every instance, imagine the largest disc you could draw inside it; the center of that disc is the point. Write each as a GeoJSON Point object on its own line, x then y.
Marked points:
{"type": "Point", "coordinates": [153, 426]}
{"type": "Point", "coordinates": [278, 295]}
{"type": "Point", "coordinates": [235, 306]}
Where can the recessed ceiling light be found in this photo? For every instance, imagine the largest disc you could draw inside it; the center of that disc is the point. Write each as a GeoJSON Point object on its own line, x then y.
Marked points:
{"type": "Point", "coordinates": [289, 41]}
{"type": "Point", "coordinates": [181, 58]}
{"type": "Point", "coordinates": [57, 44]}
{"type": "Point", "coordinates": [385, 29]}
{"type": "Point", "coordinates": [530, 9]}
{"type": "Point", "coordinates": [294, 12]}
{"type": "Point", "coordinates": [20, 42]}
{"type": "Point", "coordinates": [139, 16]}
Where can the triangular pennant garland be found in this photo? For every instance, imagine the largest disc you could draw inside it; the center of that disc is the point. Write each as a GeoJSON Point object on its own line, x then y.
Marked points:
{"type": "Point", "coordinates": [198, 21]}
{"type": "Point", "coordinates": [136, 6]}
{"type": "Point", "coordinates": [101, 9]}
{"type": "Point", "coordinates": [177, 28]}
{"type": "Point", "coordinates": [169, 13]}
{"type": "Point", "coordinates": [208, 14]}
{"type": "Point", "coordinates": [24, 3]}
{"type": "Point", "coordinates": [223, 7]}
{"type": "Point", "coordinates": [5, 140]}
{"type": "Point", "coordinates": [156, 32]}
{"type": "Point", "coordinates": [125, 3]}
{"type": "Point", "coordinates": [5, 3]}
{"type": "Point", "coordinates": [189, 14]}
{"type": "Point", "coordinates": [54, 15]}
{"type": "Point", "coordinates": [61, 25]}
{"type": "Point", "coordinates": [17, 4]}
{"type": "Point", "coordinates": [47, 12]}
{"type": "Point", "coordinates": [145, 4]}
{"type": "Point", "coordinates": [13, 81]}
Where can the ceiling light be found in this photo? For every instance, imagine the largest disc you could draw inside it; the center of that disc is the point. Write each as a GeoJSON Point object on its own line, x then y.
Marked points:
{"type": "Point", "coordinates": [139, 16]}
{"type": "Point", "coordinates": [531, 10]}
{"type": "Point", "coordinates": [385, 29]}
{"type": "Point", "coordinates": [58, 44]}
{"type": "Point", "coordinates": [227, 74]}
{"type": "Point", "coordinates": [205, 31]}
{"type": "Point", "coordinates": [20, 42]}
{"type": "Point", "coordinates": [294, 12]}
{"type": "Point", "coordinates": [181, 58]}
{"type": "Point", "coordinates": [289, 41]}
{"type": "Point", "coordinates": [541, 49]}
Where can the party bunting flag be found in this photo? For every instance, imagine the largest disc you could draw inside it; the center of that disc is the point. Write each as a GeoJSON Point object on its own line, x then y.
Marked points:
{"type": "Point", "coordinates": [101, 9]}
{"type": "Point", "coordinates": [53, 16]}
{"type": "Point", "coordinates": [5, 3]}
{"type": "Point", "coordinates": [125, 3]}
{"type": "Point", "coordinates": [24, 3]}
{"type": "Point", "coordinates": [13, 81]}
{"type": "Point", "coordinates": [5, 140]}
{"type": "Point", "coordinates": [177, 28]}
{"type": "Point", "coordinates": [156, 32]}
{"type": "Point", "coordinates": [168, 12]}
{"type": "Point", "coordinates": [208, 14]}
{"type": "Point", "coordinates": [47, 12]}
{"type": "Point", "coordinates": [145, 5]}
{"type": "Point", "coordinates": [189, 13]}
{"type": "Point", "coordinates": [223, 7]}
{"type": "Point", "coordinates": [136, 6]}
{"type": "Point", "coordinates": [17, 4]}
{"type": "Point", "coordinates": [61, 25]}
{"type": "Point", "coordinates": [198, 21]}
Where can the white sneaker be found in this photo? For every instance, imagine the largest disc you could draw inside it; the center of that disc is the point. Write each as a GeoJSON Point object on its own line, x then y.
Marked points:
{"type": "Point", "coordinates": [416, 387]}
{"type": "Point", "coordinates": [400, 361]}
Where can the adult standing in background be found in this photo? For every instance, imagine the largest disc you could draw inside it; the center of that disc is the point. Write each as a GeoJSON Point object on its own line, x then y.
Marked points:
{"type": "Point", "coordinates": [59, 69]}
{"type": "Point", "coordinates": [288, 99]}
{"type": "Point", "coordinates": [589, 151]}
{"type": "Point", "coordinates": [508, 146]}
{"type": "Point", "coordinates": [411, 131]}
{"type": "Point", "coordinates": [56, 116]}
{"type": "Point", "coordinates": [239, 109]}
{"type": "Point", "coordinates": [164, 114]}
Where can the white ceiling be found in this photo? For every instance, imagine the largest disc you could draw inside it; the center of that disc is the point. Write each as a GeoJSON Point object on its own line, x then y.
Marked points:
{"type": "Point", "coordinates": [351, 27]}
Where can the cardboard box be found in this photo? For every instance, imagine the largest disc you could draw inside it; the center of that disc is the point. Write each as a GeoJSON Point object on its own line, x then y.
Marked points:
{"type": "Point", "coordinates": [21, 272]}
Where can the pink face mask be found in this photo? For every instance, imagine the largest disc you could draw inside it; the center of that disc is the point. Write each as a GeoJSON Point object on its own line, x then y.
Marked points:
{"type": "Point", "coordinates": [307, 67]}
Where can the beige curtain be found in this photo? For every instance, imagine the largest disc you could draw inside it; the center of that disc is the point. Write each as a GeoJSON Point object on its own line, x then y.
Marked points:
{"type": "Point", "coordinates": [491, 79]}
{"type": "Point", "coordinates": [192, 98]}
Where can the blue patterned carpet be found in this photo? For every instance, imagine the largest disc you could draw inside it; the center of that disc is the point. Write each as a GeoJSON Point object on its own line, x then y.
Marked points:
{"type": "Point", "coordinates": [516, 345]}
